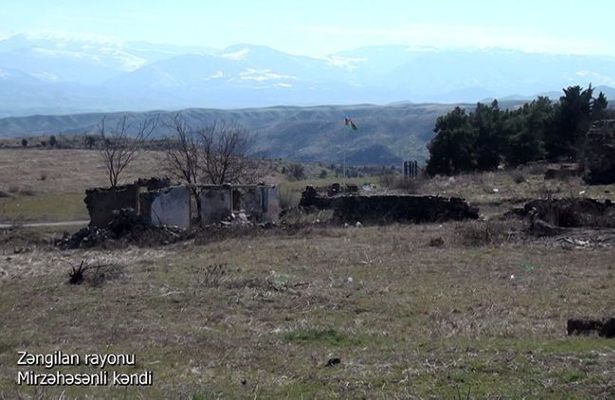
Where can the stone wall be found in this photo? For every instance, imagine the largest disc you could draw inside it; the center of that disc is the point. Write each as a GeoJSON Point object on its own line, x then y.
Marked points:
{"type": "Point", "coordinates": [386, 209]}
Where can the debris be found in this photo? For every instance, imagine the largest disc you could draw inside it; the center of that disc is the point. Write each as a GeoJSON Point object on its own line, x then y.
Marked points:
{"type": "Point", "coordinates": [124, 228]}
{"type": "Point", "coordinates": [604, 327]}
{"type": "Point", "coordinates": [333, 361]}
{"type": "Point", "coordinates": [76, 277]}
{"type": "Point", "coordinates": [358, 224]}
{"type": "Point", "coordinates": [570, 212]}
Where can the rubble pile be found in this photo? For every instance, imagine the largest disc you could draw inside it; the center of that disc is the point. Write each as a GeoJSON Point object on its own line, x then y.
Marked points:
{"type": "Point", "coordinates": [571, 212]}
{"type": "Point", "coordinates": [125, 228]}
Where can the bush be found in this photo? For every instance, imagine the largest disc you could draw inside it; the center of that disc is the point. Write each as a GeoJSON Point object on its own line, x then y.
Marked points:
{"type": "Point", "coordinates": [296, 172]}
{"type": "Point", "coordinates": [517, 177]}
{"type": "Point", "coordinates": [484, 233]}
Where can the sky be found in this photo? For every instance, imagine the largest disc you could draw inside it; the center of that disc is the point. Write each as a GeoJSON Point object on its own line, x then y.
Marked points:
{"type": "Point", "coordinates": [320, 27]}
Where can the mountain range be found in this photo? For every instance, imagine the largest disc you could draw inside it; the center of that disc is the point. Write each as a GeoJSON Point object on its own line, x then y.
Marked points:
{"type": "Point", "coordinates": [60, 75]}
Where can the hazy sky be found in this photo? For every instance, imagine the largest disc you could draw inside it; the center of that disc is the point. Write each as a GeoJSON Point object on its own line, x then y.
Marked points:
{"type": "Point", "coordinates": [319, 27]}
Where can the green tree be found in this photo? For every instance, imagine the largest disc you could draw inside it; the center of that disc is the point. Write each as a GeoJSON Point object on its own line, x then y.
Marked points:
{"type": "Point", "coordinates": [488, 124]}
{"type": "Point", "coordinates": [572, 121]}
{"type": "Point", "coordinates": [451, 150]}
{"type": "Point", "coordinates": [599, 107]}
{"type": "Point", "coordinates": [526, 129]}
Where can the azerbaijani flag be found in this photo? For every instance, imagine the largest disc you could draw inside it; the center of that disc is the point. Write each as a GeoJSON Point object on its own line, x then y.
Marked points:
{"type": "Point", "coordinates": [348, 122]}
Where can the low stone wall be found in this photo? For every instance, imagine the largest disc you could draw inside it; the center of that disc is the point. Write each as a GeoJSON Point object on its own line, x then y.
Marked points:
{"type": "Point", "coordinates": [387, 209]}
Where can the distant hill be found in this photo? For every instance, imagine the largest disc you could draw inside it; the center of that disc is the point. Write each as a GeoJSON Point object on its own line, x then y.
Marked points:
{"type": "Point", "coordinates": [386, 134]}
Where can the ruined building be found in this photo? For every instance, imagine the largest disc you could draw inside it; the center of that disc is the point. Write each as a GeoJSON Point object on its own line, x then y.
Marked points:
{"type": "Point", "coordinates": [156, 202]}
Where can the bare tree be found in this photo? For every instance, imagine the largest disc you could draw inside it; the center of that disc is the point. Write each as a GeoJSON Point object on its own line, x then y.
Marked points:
{"type": "Point", "coordinates": [118, 149]}
{"type": "Point", "coordinates": [215, 154]}
{"type": "Point", "coordinates": [183, 156]}
{"type": "Point", "coordinates": [224, 147]}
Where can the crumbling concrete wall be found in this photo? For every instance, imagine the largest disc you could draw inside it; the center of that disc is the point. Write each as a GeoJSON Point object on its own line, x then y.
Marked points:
{"type": "Point", "coordinates": [215, 204]}
{"type": "Point", "coordinates": [259, 202]}
{"type": "Point", "coordinates": [271, 203]}
{"type": "Point", "coordinates": [102, 202]}
{"type": "Point", "coordinates": [385, 209]}
{"type": "Point", "coordinates": [600, 154]}
{"type": "Point", "coordinates": [168, 206]}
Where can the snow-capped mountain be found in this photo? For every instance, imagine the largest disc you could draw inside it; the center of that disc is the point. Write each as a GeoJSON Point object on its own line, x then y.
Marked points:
{"type": "Point", "coordinates": [53, 74]}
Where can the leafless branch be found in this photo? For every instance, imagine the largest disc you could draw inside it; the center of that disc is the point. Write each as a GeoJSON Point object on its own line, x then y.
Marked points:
{"type": "Point", "coordinates": [118, 149]}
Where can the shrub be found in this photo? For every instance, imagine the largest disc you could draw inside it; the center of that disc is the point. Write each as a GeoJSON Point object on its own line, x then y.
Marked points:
{"type": "Point", "coordinates": [484, 233]}
{"type": "Point", "coordinates": [517, 177]}
{"type": "Point", "coordinates": [296, 172]}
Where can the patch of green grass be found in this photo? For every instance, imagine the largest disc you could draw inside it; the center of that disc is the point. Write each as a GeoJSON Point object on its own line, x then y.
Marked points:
{"type": "Point", "coordinates": [47, 207]}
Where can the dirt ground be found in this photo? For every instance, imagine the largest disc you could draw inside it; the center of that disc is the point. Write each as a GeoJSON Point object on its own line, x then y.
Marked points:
{"type": "Point", "coordinates": [430, 311]}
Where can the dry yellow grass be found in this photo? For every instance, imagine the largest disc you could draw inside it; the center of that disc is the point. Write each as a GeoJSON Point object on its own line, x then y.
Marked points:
{"type": "Point", "coordinates": [49, 185]}
{"type": "Point", "coordinates": [406, 319]}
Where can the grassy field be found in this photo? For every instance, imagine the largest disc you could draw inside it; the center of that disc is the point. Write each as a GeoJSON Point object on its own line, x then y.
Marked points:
{"type": "Point", "coordinates": [404, 318]}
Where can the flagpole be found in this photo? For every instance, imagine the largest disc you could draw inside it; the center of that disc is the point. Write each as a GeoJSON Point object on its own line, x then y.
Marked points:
{"type": "Point", "coordinates": [344, 164]}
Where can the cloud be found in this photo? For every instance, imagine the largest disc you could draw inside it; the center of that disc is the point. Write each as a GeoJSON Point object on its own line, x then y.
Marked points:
{"type": "Point", "coordinates": [462, 36]}
{"type": "Point", "coordinates": [596, 78]}
{"type": "Point", "coordinates": [217, 75]}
